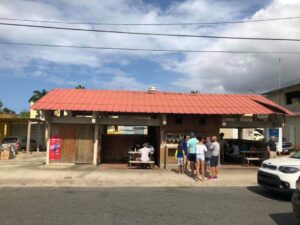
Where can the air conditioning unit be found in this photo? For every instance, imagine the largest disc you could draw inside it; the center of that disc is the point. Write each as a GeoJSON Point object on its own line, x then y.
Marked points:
{"type": "Point", "coordinates": [152, 89]}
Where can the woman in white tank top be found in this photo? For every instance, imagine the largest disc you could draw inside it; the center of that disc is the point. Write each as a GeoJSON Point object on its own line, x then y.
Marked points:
{"type": "Point", "coordinates": [200, 153]}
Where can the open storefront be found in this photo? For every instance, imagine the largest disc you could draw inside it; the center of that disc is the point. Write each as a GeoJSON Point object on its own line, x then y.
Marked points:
{"type": "Point", "coordinates": [98, 126]}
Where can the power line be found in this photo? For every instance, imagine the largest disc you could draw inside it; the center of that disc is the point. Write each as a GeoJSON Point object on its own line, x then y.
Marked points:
{"type": "Point", "coordinates": [149, 50]}
{"type": "Point", "coordinates": [152, 34]}
{"type": "Point", "coordinates": [151, 24]}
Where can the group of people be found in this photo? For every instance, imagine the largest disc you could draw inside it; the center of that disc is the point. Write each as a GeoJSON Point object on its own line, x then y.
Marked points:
{"type": "Point", "coordinates": [199, 154]}
{"type": "Point", "coordinates": [234, 149]}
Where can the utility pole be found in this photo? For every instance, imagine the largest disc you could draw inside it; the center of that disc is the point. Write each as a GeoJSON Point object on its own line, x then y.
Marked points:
{"type": "Point", "coordinates": [279, 73]}
{"type": "Point", "coordinates": [279, 79]}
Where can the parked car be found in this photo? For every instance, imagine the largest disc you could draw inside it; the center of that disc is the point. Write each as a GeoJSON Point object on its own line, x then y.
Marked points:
{"type": "Point", "coordinates": [296, 199]}
{"type": "Point", "coordinates": [18, 143]}
{"type": "Point", "coordinates": [287, 147]}
{"type": "Point", "coordinates": [258, 136]}
{"type": "Point", "coordinates": [280, 174]}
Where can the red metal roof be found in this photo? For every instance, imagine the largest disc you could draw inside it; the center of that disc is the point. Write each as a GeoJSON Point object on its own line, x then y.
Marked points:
{"type": "Point", "coordinates": [156, 102]}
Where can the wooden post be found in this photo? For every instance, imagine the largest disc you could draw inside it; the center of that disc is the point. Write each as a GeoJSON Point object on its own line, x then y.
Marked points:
{"type": "Point", "coordinates": [166, 157]}
{"type": "Point", "coordinates": [46, 116]}
{"type": "Point", "coordinates": [99, 144]}
{"type": "Point", "coordinates": [96, 143]}
{"type": "Point", "coordinates": [28, 137]}
{"type": "Point", "coordinates": [38, 136]}
{"type": "Point", "coordinates": [47, 134]}
{"type": "Point", "coordinates": [96, 137]}
{"type": "Point", "coordinates": [163, 143]}
{"type": "Point", "coordinates": [5, 130]}
{"type": "Point", "coordinates": [240, 133]}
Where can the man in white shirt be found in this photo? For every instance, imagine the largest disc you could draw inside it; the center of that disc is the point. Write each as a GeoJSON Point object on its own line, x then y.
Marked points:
{"type": "Point", "coordinates": [144, 152]}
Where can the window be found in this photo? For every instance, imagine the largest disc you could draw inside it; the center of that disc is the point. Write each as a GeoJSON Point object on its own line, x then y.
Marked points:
{"type": "Point", "coordinates": [293, 98]}
{"type": "Point", "coordinates": [127, 130]}
{"type": "Point", "coordinates": [9, 140]}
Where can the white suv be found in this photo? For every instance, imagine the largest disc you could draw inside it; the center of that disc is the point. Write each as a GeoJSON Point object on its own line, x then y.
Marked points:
{"type": "Point", "coordinates": [280, 174]}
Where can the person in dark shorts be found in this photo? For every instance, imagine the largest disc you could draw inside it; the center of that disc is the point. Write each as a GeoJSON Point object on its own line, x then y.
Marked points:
{"type": "Point", "coordinates": [185, 149]}
{"type": "Point", "coordinates": [192, 157]}
{"type": "Point", "coordinates": [214, 160]}
{"type": "Point", "coordinates": [207, 157]}
{"type": "Point", "coordinates": [179, 155]}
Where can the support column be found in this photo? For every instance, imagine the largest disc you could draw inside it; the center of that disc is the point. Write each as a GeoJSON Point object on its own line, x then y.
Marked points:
{"type": "Point", "coordinates": [46, 116]}
{"type": "Point", "coordinates": [96, 144]}
{"type": "Point", "coordinates": [47, 134]}
{"type": "Point", "coordinates": [5, 130]}
{"type": "Point", "coordinates": [38, 136]}
{"type": "Point", "coordinates": [28, 137]}
{"type": "Point", "coordinates": [163, 144]}
{"type": "Point", "coordinates": [240, 133]}
{"type": "Point", "coordinates": [95, 120]}
{"type": "Point", "coordinates": [100, 143]}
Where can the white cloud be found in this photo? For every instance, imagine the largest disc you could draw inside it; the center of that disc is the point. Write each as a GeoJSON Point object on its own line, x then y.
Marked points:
{"type": "Point", "coordinates": [115, 79]}
{"type": "Point", "coordinates": [243, 73]}
{"type": "Point", "coordinates": [206, 72]}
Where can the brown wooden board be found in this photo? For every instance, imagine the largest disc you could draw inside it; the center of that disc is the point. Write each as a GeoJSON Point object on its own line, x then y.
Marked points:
{"type": "Point", "coordinates": [68, 145]}
{"type": "Point", "coordinates": [68, 134]}
{"type": "Point", "coordinates": [85, 143]}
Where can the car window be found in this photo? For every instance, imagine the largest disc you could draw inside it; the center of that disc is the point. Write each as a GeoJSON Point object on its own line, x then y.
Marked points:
{"type": "Point", "coordinates": [24, 139]}
{"type": "Point", "coordinates": [9, 140]}
{"type": "Point", "coordinates": [296, 155]}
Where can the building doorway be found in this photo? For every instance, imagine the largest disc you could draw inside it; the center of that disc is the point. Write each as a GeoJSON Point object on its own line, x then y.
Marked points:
{"type": "Point", "coordinates": [116, 145]}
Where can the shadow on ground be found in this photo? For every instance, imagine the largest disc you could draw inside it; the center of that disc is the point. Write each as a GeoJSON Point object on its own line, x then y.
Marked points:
{"type": "Point", "coordinates": [286, 197]}
{"type": "Point", "coordinates": [186, 173]}
{"type": "Point", "coordinates": [285, 218]}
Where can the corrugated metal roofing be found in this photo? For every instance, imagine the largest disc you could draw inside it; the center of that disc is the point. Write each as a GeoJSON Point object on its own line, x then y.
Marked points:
{"type": "Point", "coordinates": [158, 102]}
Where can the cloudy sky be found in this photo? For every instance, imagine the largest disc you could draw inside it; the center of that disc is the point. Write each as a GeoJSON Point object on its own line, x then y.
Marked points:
{"type": "Point", "coordinates": [24, 69]}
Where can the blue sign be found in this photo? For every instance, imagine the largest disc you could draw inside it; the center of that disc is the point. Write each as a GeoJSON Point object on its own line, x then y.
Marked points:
{"type": "Point", "coordinates": [274, 132]}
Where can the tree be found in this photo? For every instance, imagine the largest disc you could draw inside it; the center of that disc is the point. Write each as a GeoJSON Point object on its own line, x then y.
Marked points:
{"type": "Point", "coordinates": [24, 114]}
{"type": "Point", "coordinates": [79, 86]}
{"type": "Point", "coordinates": [37, 95]}
{"type": "Point", "coordinates": [7, 110]}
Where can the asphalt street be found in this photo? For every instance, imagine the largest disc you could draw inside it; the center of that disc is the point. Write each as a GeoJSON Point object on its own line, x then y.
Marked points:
{"type": "Point", "coordinates": [88, 206]}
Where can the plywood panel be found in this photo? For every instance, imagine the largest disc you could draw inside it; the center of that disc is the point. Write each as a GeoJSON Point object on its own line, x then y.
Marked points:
{"type": "Point", "coordinates": [85, 144]}
{"type": "Point", "coordinates": [68, 134]}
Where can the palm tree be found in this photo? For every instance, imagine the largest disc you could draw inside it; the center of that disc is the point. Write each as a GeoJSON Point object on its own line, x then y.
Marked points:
{"type": "Point", "coordinates": [79, 86]}
{"type": "Point", "coordinates": [37, 95]}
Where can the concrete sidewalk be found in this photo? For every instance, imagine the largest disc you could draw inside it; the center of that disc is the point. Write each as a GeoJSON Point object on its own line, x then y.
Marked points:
{"type": "Point", "coordinates": [36, 174]}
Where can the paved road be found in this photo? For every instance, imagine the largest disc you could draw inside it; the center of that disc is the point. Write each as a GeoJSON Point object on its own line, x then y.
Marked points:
{"type": "Point", "coordinates": [87, 206]}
